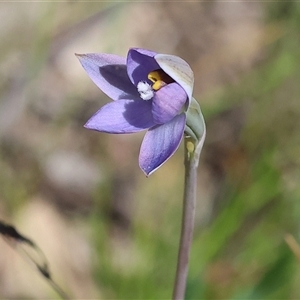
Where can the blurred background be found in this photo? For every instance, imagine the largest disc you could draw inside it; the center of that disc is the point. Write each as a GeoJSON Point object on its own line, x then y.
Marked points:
{"type": "Point", "coordinates": [109, 232]}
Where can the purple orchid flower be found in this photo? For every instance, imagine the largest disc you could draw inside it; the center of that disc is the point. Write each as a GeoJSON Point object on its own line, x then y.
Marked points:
{"type": "Point", "coordinates": [150, 91]}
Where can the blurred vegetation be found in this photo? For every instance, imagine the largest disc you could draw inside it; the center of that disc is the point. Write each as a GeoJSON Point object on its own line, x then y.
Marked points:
{"type": "Point", "coordinates": [245, 247]}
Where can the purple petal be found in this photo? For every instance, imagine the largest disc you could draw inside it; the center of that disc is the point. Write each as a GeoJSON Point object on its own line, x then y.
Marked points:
{"type": "Point", "coordinates": [109, 73]}
{"type": "Point", "coordinates": [168, 102]}
{"type": "Point", "coordinates": [123, 116]}
{"type": "Point", "coordinates": [140, 63]}
{"type": "Point", "coordinates": [160, 143]}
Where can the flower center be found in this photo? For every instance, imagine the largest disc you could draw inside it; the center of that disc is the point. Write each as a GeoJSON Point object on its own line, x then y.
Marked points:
{"type": "Point", "coordinates": [159, 79]}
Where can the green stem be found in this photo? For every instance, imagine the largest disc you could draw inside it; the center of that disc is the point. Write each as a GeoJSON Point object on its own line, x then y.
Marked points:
{"type": "Point", "coordinates": [188, 215]}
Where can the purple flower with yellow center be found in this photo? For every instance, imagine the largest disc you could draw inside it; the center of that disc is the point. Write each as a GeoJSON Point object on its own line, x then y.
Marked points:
{"type": "Point", "coordinates": [150, 91]}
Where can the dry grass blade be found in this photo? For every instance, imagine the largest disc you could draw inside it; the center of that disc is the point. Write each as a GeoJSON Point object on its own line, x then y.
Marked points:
{"type": "Point", "coordinates": [31, 253]}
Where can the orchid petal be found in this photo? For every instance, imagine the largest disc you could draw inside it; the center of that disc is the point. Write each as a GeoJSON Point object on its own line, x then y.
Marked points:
{"type": "Point", "coordinates": [179, 70]}
{"type": "Point", "coordinates": [109, 73]}
{"type": "Point", "coordinates": [140, 63]}
{"type": "Point", "coordinates": [123, 116]}
{"type": "Point", "coordinates": [160, 143]}
{"type": "Point", "coordinates": [168, 102]}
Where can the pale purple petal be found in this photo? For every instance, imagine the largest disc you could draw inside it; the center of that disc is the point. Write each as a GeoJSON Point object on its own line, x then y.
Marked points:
{"type": "Point", "coordinates": [123, 116]}
{"type": "Point", "coordinates": [160, 143]}
{"type": "Point", "coordinates": [140, 63]}
{"type": "Point", "coordinates": [109, 73]}
{"type": "Point", "coordinates": [168, 102]}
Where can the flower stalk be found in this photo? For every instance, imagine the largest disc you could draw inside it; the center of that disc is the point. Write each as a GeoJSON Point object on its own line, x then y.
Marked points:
{"type": "Point", "coordinates": [193, 143]}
